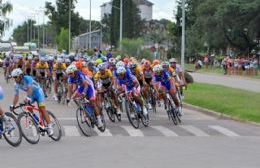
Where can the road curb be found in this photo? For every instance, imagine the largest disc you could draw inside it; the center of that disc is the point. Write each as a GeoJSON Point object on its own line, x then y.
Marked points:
{"type": "Point", "coordinates": [217, 114]}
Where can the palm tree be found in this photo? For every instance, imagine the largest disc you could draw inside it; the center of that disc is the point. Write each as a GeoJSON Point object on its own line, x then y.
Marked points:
{"type": "Point", "coordinates": [5, 8]}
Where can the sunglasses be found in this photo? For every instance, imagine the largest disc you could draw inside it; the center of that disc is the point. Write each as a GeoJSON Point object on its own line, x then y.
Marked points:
{"type": "Point", "coordinates": [172, 62]}
{"type": "Point", "coordinates": [15, 77]}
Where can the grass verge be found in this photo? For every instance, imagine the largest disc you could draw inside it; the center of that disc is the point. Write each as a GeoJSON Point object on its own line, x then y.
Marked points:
{"type": "Point", "coordinates": [237, 103]}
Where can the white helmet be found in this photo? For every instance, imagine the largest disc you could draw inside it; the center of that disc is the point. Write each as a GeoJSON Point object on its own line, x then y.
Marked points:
{"type": "Point", "coordinates": [121, 70]}
{"type": "Point", "coordinates": [157, 68]}
{"type": "Point", "coordinates": [67, 60]}
{"type": "Point", "coordinates": [112, 61]}
{"type": "Point", "coordinates": [71, 69]}
{"type": "Point", "coordinates": [59, 60]}
{"type": "Point", "coordinates": [30, 57]}
{"type": "Point", "coordinates": [42, 59]}
{"type": "Point", "coordinates": [102, 66]}
{"type": "Point", "coordinates": [120, 64]}
{"type": "Point", "coordinates": [16, 72]}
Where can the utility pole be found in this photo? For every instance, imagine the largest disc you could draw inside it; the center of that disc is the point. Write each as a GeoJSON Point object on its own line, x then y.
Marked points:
{"type": "Point", "coordinates": [121, 24]}
{"type": "Point", "coordinates": [43, 32]}
{"type": "Point", "coordinates": [183, 35]}
{"type": "Point", "coordinates": [90, 24]}
{"type": "Point", "coordinates": [69, 24]}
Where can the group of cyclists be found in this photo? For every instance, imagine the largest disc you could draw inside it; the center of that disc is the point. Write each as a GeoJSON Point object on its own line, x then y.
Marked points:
{"type": "Point", "coordinates": [88, 76]}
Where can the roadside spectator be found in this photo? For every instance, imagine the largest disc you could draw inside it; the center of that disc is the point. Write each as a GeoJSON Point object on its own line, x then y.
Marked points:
{"type": "Point", "coordinates": [206, 61]}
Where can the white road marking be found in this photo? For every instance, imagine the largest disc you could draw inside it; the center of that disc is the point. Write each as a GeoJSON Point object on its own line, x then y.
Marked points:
{"type": "Point", "coordinates": [194, 130]}
{"type": "Point", "coordinates": [71, 131]}
{"type": "Point", "coordinates": [224, 131]}
{"type": "Point", "coordinates": [105, 133]}
{"type": "Point", "coordinates": [165, 131]}
{"type": "Point", "coordinates": [132, 131]}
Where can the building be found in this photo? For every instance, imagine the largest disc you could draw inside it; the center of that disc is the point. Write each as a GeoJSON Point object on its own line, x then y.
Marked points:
{"type": "Point", "coordinates": [145, 7]}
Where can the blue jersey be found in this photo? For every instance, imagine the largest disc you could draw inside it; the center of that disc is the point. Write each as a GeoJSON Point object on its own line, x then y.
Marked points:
{"type": "Point", "coordinates": [129, 81]}
{"type": "Point", "coordinates": [79, 79]}
{"type": "Point", "coordinates": [164, 79]}
{"type": "Point", "coordinates": [26, 83]}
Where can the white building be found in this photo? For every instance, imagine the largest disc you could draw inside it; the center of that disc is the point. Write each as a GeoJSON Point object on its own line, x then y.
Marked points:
{"type": "Point", "coordinates": [145, 7]}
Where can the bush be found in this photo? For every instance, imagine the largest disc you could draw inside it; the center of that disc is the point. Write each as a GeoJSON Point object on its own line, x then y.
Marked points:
{"type": "Point", "coordinates": [132, 48]}
{"type": "Point", "coordinates": [63, 40]}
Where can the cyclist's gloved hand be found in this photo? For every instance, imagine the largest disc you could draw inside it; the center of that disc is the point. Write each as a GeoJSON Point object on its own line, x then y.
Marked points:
{"type": "Point", "coordinates": [28, 100]}
{"type": "Point", "coordinates": [11, 107]}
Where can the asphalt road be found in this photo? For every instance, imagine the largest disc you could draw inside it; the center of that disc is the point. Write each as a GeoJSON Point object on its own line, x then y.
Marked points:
{"type": "Point", "coordinates": [201, 141]}
{"type": "Point", "coordinates": [229, 81]}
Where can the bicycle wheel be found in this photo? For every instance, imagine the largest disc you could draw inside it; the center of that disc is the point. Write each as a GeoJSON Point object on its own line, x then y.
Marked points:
{"type": "Point", "coordinates": [12, 135]}
{"type": "Point", "coordinates": [111, 114]}
{"type": "Point", "coordinates": [102, 129]}
{"type": "Point", "coordinates": [145, 119]}
{"type": "Point", "coordinates": [84, 122]}
{"type": "Point", "coordinates": [171, 112]}
{"type": "Point", "coordinates": [118, 116]}
{"type": "Point", "coordinates": [56, 127]}
{"type": "Point", "coordinates": [134, 120]}
{"type": "Point", "coordinates": [29, 128]}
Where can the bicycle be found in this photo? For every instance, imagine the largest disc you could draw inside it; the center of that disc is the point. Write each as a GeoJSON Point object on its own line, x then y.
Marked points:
{"type": "Point", "coordinates": [172, 111]}
{"type": "Point", "coordinates": [61, 93]}
{"type": "Point", "coordinates": [11, 133]}
{"type": "Point", "coordinates": [33, 125]}
{"type": "Point", "coordinates": [108, 106]}
{"type": "Point", "coordinates": [135, 113]}
{"type": "Point", "coordinates": [86, 117]}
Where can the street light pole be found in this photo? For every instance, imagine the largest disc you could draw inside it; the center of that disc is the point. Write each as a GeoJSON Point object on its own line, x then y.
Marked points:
{"type": "Point", "coordinates": [43, 34]}
{"type": "Point", "coordinates": [69, 24]}
{"type": "Point", "coordinates": [121, 24]}
{"type": "Point", "coordinates": [183, 35]}
{"type": "Point", "coordinates": [89, 24]}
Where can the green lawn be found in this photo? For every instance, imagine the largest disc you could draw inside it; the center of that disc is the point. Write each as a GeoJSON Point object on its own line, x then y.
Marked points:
{"type": "Point", "coordinates": [237, 103]}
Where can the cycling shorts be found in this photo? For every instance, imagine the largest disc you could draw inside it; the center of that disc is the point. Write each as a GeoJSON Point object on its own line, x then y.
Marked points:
{"type": "Point", "coordinates": [38, 96]}
{"type": "Point", "coordinates": [90, 93]}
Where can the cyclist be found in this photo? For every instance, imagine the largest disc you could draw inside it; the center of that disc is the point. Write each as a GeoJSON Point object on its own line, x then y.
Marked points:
{"type": "Point", "coordinates": [178, 70]}
{"type": "Point", "coordinates": [42, 69]}
{"type": "Point", "coordinates": [34, 94]}
{"type": "Point", "coordinates": [104, 75]}
{"type": "Point", "coordinates": [164, 82]}
{"type": "Point", "coordinates": [3, 117]}
{"type": "Point", "coordinates": [28, 65]}
{"type": "Point", "coordinates": [84, 87]}
{"type": "Point", "coordinates": [58, 74]}
{"type": "Point", "coordinates": [128, 83]}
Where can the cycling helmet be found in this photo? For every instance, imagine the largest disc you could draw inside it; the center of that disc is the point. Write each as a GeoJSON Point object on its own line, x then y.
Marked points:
{"type": "Point", "coordinates": [121, 70]}
{"type": "Point", "coordinates": [71, 69]}
{"type": "Point", "coordinates": [102, 66]}
{"type": "Point", "coordinates": [120, 64]}
{"type": "Point", "coordinates": [147, 63]}
{"type": "Point", "coordinates": [118, 57]}
{"type": "Point", "coordinates": [142, 61]}
{"type": "Point", "coordinates": [30, 57]}
{"type": "Point", "coordinates": [67, 61]}
{"type": "Point", "coordinates": [42, 59]}
{"type": "Point", "coordinates": [59, 60]}
{"type": "Point", "coordinates": [16, 72]}
{"type": "Point", "coordinates": [173, 60]}
{"type": "Point", "coordinates": [51, 58]}
{"type": "Point", "coordinates": [156, 62]}
{"type": "Point", "coordinates": [157, 68]}
{"type": "Point", "coordinates": [165, 64]}
{"type": "Point", "coordinates": [99, 61]}
{"type": "Point", "coordinates": [126, 61]}
{"type": "Point", "coordinates": [132, 65]}
{"type": "Point", "coordinates": [112, 61]}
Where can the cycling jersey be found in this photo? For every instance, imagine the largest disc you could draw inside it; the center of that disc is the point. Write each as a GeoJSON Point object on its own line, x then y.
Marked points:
{"type": "Point", "coordinates": [37, 92]}
{"type": "Point", "coordinates": [42, 66]}
{"type": "Point", "coordinates": [163, 79]}
{"type": "Point", "coordinates": [78, 80]}
{"type": "Point", "coordinates": [129, 81]}
{"type": "Point", "coordinates": [59, 68]}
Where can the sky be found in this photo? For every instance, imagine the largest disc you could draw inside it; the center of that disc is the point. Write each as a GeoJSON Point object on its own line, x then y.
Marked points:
{"type": "Point", "coordinates": [23, 9]}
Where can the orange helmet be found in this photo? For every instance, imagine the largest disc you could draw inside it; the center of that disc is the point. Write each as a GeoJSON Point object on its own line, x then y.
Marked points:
{"type": "Point", "coordinates": [126, 60]}
{"type": "Point", "coordinates": [156, 62]}
{"type": "Point", "coordinates": [147, 63]}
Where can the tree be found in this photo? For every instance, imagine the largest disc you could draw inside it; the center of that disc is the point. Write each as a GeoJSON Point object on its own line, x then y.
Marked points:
{"type": "Point", "coordinates": [5, 8]}
{"type": "Point", "coordinates": [132, 23]}
{"type": "Point", "coordinates": [59, 15]}
{"type": "Point", "coordinates": [20, 34]}
{"type": "Point", "coordinates": [63, 40]}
